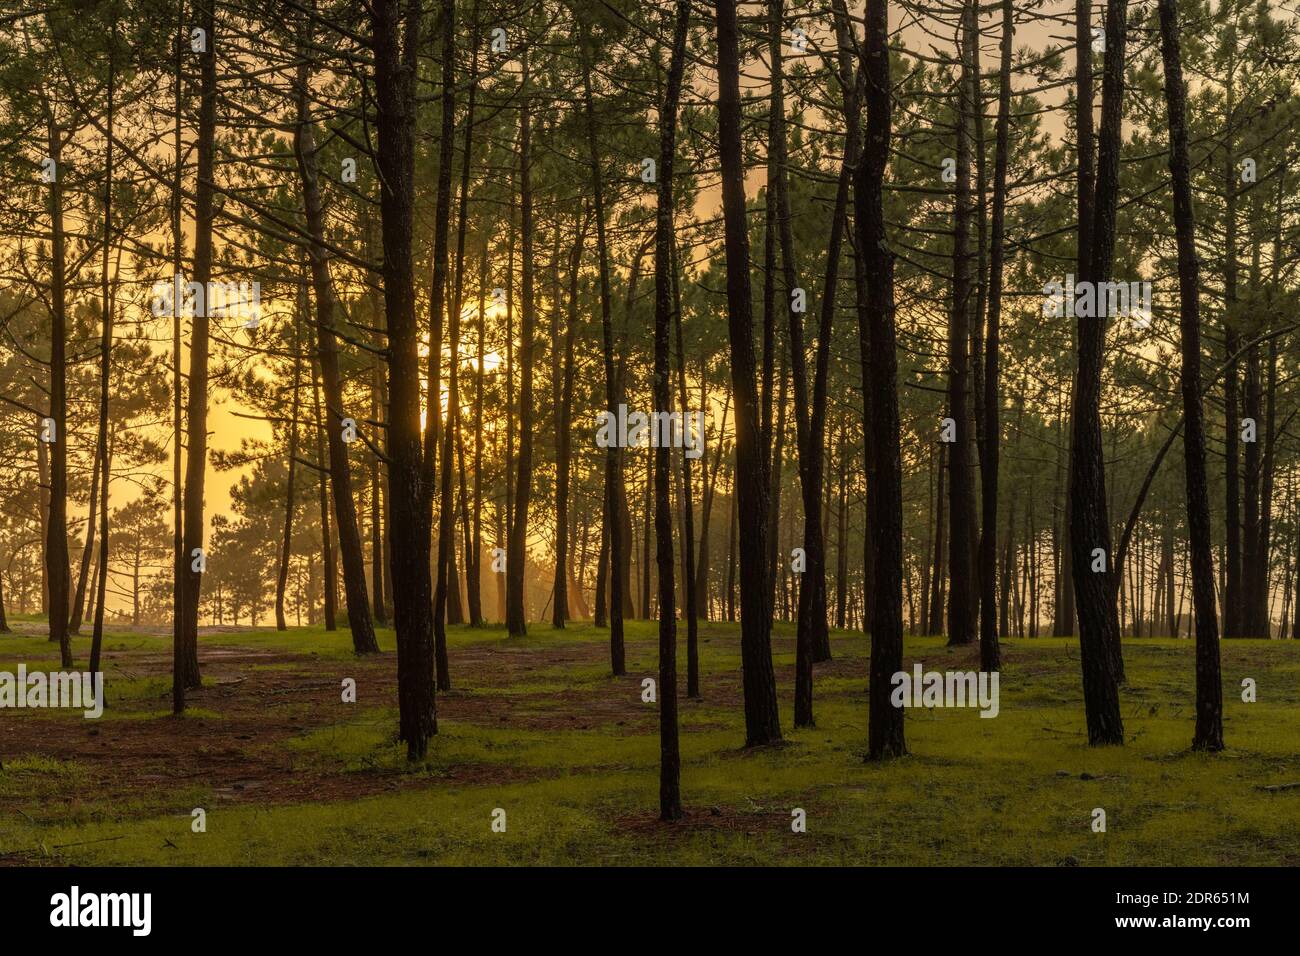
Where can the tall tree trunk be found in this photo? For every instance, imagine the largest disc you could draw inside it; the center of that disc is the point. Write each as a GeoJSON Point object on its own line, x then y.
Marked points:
{"type": "Point", "coordinates": [563, 440]}
{"type": "Point", "coordinates": [179, 656]}
{"type": "Point", "coordinates": [105, 360]}
{"type": "Point", "coordinates": [474, 548]}
{"type": "Point", "coordinates": [762, 718]}
{"type": "Point", "coordinates": [885, 726]}
{"type": "Point", "coordinates": [962, 624]}
{"type": "Point", "coordinates": [1096, 591]}
{"type": "Point", "coordinates": [618, 543]}
{"type": "Point", "coordinates": [1209, 684]}
{"type": "Point", "coordinates": [990, 653]}
{"type": "Point", "coordinates": [395, 51]}
{"type": "Point", "coordinates": [687, 495]}
{"type": "Point", "coordinates": [516, 558]}
{"type": "Point", "coordinates": [56, 532]}
{"type": "Point", "coordinates": [340, 470]}
{"type": "Point", "coordinates": [670, 800]}
{"type": "Point", "coordinates": [196, 431]}
{"type": "Point", "coordinates": [1232, 594]}
{"type": "Point", "coordinates": [438, 307]}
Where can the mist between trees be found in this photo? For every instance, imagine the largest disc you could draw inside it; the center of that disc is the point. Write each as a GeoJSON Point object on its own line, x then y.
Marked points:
{"type": "Point", "coordinates": [837, 233]}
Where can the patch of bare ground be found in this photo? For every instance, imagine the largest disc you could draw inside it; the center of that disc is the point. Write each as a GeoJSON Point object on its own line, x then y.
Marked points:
{"type": "Point", "coordinates": [262, 697]}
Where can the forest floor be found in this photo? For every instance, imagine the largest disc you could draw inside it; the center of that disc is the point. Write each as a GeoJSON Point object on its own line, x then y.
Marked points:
{"type": "Point", "coordinates": [287, 773]}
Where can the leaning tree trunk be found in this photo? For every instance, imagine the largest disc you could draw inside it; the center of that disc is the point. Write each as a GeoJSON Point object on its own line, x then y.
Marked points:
{"type": "Point", "coordinates": [762, 718]}
{"type": "Point", "coordinates": [1209, 683]}
{"type": "Point", "coordinates": [345, 509]}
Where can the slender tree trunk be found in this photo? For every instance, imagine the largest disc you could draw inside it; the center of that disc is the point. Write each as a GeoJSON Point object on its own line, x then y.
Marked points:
{"type": "Point", "coordinates": [687, 495]}
{"type": "Point", "coordinates": [329, 589]}
{"type": "Point", "coordinates": [563, 440]}
{"type": "Point", "coordinates": [516, 558]}
{"type": "Point", "coordinates": [937, 579]}
{"type": "Point", "coordinates": [56, 535]}
{"type": "Point", "coordinates": [438, 309]}
{"type": "Point", "coordinates": [92, 507]}
{"type": "Point", "coordinates": [962, 623]}
{"type": "Point", "coordinates": [105, 362]}
{"type": "Point", "coordinates": [1209, 684]}
{"type": "Point", "coordinates": [378, 564]}
{"type": "Point", "coordinates": [618, 542]}
{"type": "Point", "coordinates": [762, 719]}
{"type": "Point", "coordinates": [990, 653]}
{"type": "Point", "coordinates": [646, 532]}
{"type": "Point", "coordinates": [885, 726]}
{"type": "Point", "coordinates": [196, 432]}
{"type": "Point", "coordinates": [733, 521]}
{"type": "Point", "coordinates": [1096, 591]}
{"type": "Point", "coordinates": [670, 801]}
{"type": "Point", "coordinates": [179, 656]}
{"type": "Point", "coordinates": [474, 548]}
{"type": "Point", "coordinates": [395, 51]}
{"type": "Point", "coordinates": [710, 478]}
{"type": "Point", "coordinates": [291, 465]}
{"type": "Point", "coordinates": [340, 470]}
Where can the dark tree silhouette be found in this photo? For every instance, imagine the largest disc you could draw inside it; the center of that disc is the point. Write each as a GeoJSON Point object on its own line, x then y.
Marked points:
{"type": "Point", "coordinates": [1209, 684]}
{"type": "Point", "coordinates": [876, 323]}
{"type": "Point", "coordinates": [395, 39]}
{"type": "Point", "coordinates": [762, 718]}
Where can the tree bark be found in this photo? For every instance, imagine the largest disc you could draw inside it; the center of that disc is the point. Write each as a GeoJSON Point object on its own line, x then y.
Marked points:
{"type": "Point", "coordinates": [1096, 591]}
{"type": "Point", "coordinates": [885, 736]}
{"type": "Point", "coordinates": [670, 801]}
{"type": "Point", "coordinates": [990, 652]}
{"type": "Point", "coordinates": [1209, 685]}
{"type": "Point", "coordinates": [563, 440]}
{"type": "Point", "coordinates": [395, 52]}
{"type": "Point", "coordinates": [962, 624]}
{"type": "Point", "coordinates": [56, 531]}
{"type": "Point", "coordinates": [438, 309]}
{"type": "Point", "coordinates": [762, 719]}
{"type": "Point", "coordinates": [516, 557]}
{"type": "Point", "coordinates": [196, 432]}
{"type": "Point", "coordinates": [291, 464]}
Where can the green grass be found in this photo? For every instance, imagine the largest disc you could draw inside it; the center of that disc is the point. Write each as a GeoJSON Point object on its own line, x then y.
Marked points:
{"type": "Point", "coordinates": [1018, 789]}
